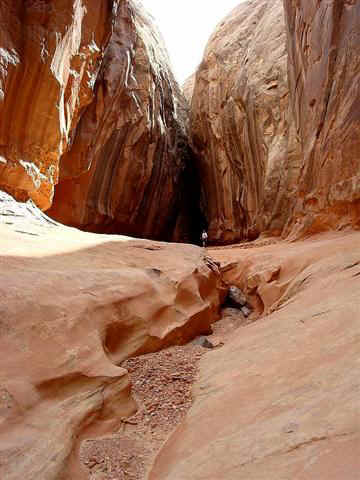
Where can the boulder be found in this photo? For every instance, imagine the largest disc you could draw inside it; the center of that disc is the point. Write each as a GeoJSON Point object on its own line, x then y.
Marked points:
{"type": "Point", "coordinates": [246, 311]}
{"type": "Point", "coordinates": [203, 342]}
{"type": "Point", "coordinates": [236, 297]}
{"type": "Point", "coordinates": [74, 306]}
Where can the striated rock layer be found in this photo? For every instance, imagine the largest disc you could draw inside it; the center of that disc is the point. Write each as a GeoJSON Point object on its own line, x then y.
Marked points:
{"type": "Point", "coordinates": [87, 98]}
{"type": "Point", "coordinates": [324, 74]}
{"type": "Point", "coordinates": [74, 306]}
{"type": "Point", "coordinates": [50, 54]}
{"type": "Point", "coordinates": [281, 399]}
{"type": "Point", "coordinates": [242, 125]}
{"type": "Point", "coordinates": [278, 150]}
{"type": "Point", "coordinates": [130, 160]}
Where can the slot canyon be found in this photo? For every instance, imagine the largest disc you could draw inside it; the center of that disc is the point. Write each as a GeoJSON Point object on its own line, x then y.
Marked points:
{"type": "Point", "coordinates": [129, 350]}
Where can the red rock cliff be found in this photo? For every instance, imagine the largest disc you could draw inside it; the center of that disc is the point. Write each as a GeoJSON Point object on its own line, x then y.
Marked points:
{"type": "Point", "coordinates": [324, 74]}
{"type": "Point", "coordinates": [130, 149]}
{"type": "Point", "coordinates": [241, 122]}
{"type": "Point", "coordinates": [275, 119]}
{"type": "Point", "coordinates": [50, 53]}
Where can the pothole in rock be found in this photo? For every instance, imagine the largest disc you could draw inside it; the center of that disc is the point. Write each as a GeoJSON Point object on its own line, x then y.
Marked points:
{"type": "Point", "coordinates": [161, 385]}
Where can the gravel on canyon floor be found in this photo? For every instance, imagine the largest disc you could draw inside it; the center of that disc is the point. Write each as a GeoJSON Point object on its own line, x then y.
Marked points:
{"type": "Point", "coordinates": [161, 384]}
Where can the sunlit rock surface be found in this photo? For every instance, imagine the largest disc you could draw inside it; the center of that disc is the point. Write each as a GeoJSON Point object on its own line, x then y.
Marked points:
{"type": "Point", "coordinates": [281, 399]}
{"type": "Point", "coordinates": [188, 87]}
{"type": "Point", "coordinates": [73, 306]}
{"type": "Point", "coordinates": [130, 157]}
{"type": "Point", "coordinates": [50, 54]}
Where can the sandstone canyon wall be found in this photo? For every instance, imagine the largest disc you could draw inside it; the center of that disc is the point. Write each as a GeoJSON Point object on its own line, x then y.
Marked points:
{"type": "Point", "coordinates": [88, 99]}
{"type": "Point", "coordinates": [275, 120]}
{"type": "Point", "coordinates": [241, 123]}
{"type": "Point", "coordinates": [50, 54]}
{"type": "Point", "coordinates": [188, 87]}
{"type": "Point", "coordinates": [324, 75]}
{"type": "Point", "coordinates": [130, 160]}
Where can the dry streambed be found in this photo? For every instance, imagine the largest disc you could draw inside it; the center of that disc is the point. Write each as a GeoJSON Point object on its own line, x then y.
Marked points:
{"type": "Point", "coordinates": [161, 384]}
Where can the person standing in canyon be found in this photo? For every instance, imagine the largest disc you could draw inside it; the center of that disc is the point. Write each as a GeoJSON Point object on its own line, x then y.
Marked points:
{"type": "Point", "coordinates": [204, 238]}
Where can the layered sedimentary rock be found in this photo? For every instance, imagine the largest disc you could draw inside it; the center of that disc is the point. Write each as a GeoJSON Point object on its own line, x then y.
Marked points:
{"type": "Point", "coordinates": [278, 152]}
{"type": "Point", "coordinates": [281, 399]}
{"type": "Point", "coordinates": [117, 122]}
{"type": "Point", "coordinates": [241, 122]}
{"type": "Point", "coordinates": [324, 74]}
{"type": "Point", "coordinates": [130, 151]}
{"type": "Point", "coordinates": [50, 53]}
{"type": "Point", "coordinates": [73, 306]}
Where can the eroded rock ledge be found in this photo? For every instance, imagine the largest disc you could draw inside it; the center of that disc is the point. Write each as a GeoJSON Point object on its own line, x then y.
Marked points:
{"type": "Point", "coordinates": [281, 399]}
{"type": "Point", "coordinates": [74, 306]}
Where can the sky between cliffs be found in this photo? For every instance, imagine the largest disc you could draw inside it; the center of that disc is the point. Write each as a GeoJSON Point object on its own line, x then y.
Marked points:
{"type": "Point", "coordinates": [186, 26]}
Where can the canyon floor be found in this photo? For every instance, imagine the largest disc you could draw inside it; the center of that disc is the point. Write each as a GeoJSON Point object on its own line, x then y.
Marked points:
{"type": "Point", "coordinates": [281, 399]}
{"type": "Point", "coordinates": [74, 307]}
{"type": "Point", "coordinates": [104, 376]}
{"type": "Point", "coordinates": [278, 396]}
{"type": "Point", "coordinates": [162, 385]}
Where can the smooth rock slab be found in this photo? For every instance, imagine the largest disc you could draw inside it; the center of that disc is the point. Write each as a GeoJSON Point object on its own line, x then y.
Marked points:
{"type": "Point", "coordinates": [73, 306]}
{"type": "Point", "coordinates": [281, 399]}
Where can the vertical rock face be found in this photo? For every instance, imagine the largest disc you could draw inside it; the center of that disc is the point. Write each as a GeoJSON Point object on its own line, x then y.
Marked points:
{"type": "Point", "coordinates": [130, 151]}
{"type": "Point", "coordinates": [241, 122]}
{"type": "Point", "coordinates": [324, 75]}
{"type": "Point", "coordinates": [50, 53]}
{"type": "Point", "coordinates": [188, 87]}
{"type": "Point", "coordinates": [124, 151]}
{"type": "Point", "coordinates": [275, 120]}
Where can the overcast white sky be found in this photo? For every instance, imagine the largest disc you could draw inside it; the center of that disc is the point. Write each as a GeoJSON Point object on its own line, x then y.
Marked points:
{"type": "Point", "coordinates": [186, 26]}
